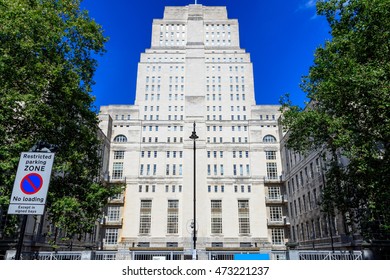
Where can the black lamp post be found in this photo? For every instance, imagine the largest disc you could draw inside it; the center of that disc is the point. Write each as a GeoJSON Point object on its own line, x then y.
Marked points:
{"type": "Point", "coordinates": [194, 137]}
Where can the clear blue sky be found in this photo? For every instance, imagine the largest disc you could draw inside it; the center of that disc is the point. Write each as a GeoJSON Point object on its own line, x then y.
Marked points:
{"type": "Point", "coordinates": [280, 35]}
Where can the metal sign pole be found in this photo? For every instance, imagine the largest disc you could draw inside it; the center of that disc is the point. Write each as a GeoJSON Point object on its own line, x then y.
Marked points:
{"type": "Point", "coordinates": [35, 182]}
{"type": "Point", "coordinates": [21, 237]}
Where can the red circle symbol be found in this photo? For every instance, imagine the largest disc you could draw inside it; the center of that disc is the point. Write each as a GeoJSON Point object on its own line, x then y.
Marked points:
{"type": "Point", "coordinates": [31, 183]}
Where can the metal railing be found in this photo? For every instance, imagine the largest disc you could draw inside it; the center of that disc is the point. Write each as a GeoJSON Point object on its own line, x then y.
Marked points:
{"type": "Point", "coordinates": [60, 255]}
{"type": "Point", "coordinates": [105, 255]}
{"type": "Point", "coordinates": [329, 255]}
{"type": "Point", "coordinates": [153, 255]}
{"type": "Point", "coordinates": [223, 255]}
{"type": "Point", "coordinates": [180, 255]}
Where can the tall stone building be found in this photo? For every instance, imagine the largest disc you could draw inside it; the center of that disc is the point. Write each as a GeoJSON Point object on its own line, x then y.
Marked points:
{"type": "Point", "coordinates": [311, 227]}
{"type": "Point", "coordinates": [195, 73]}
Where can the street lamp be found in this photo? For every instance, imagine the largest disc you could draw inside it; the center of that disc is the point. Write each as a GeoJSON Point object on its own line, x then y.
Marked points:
{"type": "Point", "coordinates": [194, 137]}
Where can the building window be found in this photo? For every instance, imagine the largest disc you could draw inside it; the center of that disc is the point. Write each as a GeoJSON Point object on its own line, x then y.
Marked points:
{"type": "Point", "coordinates": [269, 139]}
{"type": "Point", "coordinates": [278, 236]}
{"type": "Point", "coordinates": [145, 217]}
{"type": "Point", "coordinates": [120, 138]}
{"type": "Point", "coordinates": [173, 217]}
{"type": "Point", "coordinates": [113, 213]}
{"type": "Point", "coordinates": [111, 236]}
{"type": "Point", "coordinates": [272, 171]}
{"type": "Point", "coordinates": [243, 217]}
{"type": "Point", "coordinates": [119, 154]}
{"type": "Point", "coordinates": [172, 244]}
{"type": "Point", "coordinates": [144, 244]}
{"type": "Point", "coordinates": [270, 155]}
{"type": "Point", "coordinates": [275, 213]}
{"type": "Point", "coordinates": [154, 169]}
{"type": "Point", "coordinates": [273, 192]}
{"type": "Point", "coordinates": [216, 216]}
{"type": "Point", "coordinates": [117, 170]}
{"type": "Point", "coordinates": [217, 244]}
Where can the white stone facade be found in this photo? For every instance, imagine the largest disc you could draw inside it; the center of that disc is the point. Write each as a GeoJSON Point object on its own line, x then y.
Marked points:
{"type": "Point", "coordinates": [195, 72]}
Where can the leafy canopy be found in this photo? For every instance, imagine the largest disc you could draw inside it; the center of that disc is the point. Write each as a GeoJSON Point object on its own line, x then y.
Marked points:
{"type": "Point", "coordinates": [47, 50]}
{"type": "Point", "coordinates": [348, 115]}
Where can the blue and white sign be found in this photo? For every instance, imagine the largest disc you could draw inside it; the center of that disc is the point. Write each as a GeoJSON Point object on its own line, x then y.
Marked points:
{"type": "Point", "coordinates": [31, 184]}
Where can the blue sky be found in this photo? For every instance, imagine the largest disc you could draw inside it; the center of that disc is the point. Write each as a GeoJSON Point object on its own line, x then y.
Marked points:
{"type": "Point", "coordinates": [280, 35]}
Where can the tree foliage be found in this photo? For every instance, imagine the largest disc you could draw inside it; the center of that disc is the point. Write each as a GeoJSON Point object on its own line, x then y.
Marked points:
{"type": "Point", "coordinates": [348, 115]}
{"type": "Point", "coordinates": [47, 50]}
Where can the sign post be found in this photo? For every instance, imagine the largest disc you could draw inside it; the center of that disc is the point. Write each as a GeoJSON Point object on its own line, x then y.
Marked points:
{"type": "Point", "coordinates": [31, 184]}
{"type": "Point", "coordinates": [30, 188]}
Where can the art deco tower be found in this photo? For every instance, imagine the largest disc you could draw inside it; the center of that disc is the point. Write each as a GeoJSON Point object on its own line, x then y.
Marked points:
{"type": "Point", "coordinates": [195, 71]}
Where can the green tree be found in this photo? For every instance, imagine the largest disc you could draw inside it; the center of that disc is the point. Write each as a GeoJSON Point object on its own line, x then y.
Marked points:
{"type": "Point", "coordinates": [348, 116]}
{"type": "Point", "coordinates": [47, 50]}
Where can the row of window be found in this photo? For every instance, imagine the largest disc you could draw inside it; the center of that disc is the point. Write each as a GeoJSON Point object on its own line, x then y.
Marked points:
{"type": "Point", "coordinates": [157, 88]}
{"type": "Point", "coordinates": [208, 68]}
{"type": "Point", "coordinates": [239, 140]}
{"type": "Point", "coordinates": [214, 97]}
{"type": "Point", "coordinates": [238, 170]}
{"type": "Point", "coordinates": [217, 26]}
{"type": "Point", "coordinates": [273, 192]}
{"type": "Point", "coordinates": [225, 59]}
{"type": "Point", "coordinates": [270, 155]}
{"type": "Point", "coordinates": [170, 169]}
{"type": "Point", "coordinates": [277, 236]}
{"type": "Point", "coordinates": [172, 35]}
{"type": "Point", "coordinates": [171, 42]}
{"type": "Point", "coordinates": [267, 117]}
{"type": "Point", "coordinates": [305, 176]}
{"type": "Point", "coordinates": [176, 88]}
{"type": "Point", "coordinates": [173, 217]}
{"type": "Point", "coordinates": [236, 188]}
{"type": "Point", "coordinates": [158, 96]}
{"type": "Point", "coordinates": [180, 79]}
{"type": "Point", "coordinates": [122, 117]}
{"type": "Point", "coordinates": [212, 170]}
{"type": "Point", "coordinates": [174, 59]}
{"type": "Point", "coordinates": [218, 42]}
{"type": "Point", "coordinates": [266, 139]}
{"type": "Point", "coordinates": [219, 87]}
{"type": "Point", "coordinates": [172, 27]}
{"type": "Point", "coordinates": [168, 188]}
{"type": "Point", "coordinates": [316, 228]}
{"type": "Point", "coordinates": [170, 128]}
{"type": "Point", "coordinates": [217, 35]}
{"type": "Point", "coordinates": [170, 117]}
{"type": "Point", "coordinates": [209, 117]}
{"type": "Point", "coordinates": [159, 68]}
{"type": "Point", "coordinates": [231, 69]}
{"type": "Point", "coordinates": [234, 128]}
{"type": "Point", "coordinates": [181, 109]}
{"type": "Point", "coordinates": [306, 202]}
{"type": "Point", "coordinates": [172, 79]}
{"type": "Point", "coordinates": [218, 79]}
{"type": "Point", "coordinates": [209, 128]}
